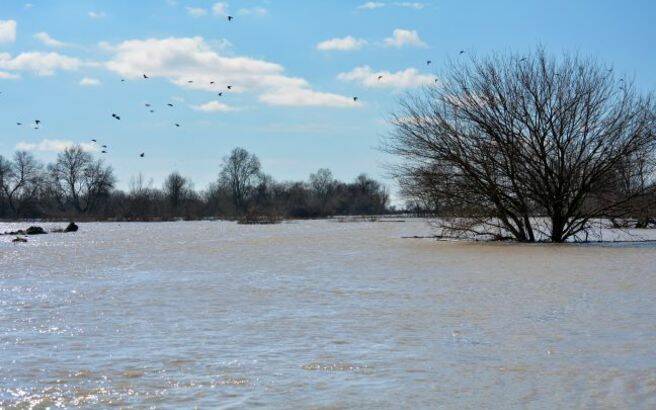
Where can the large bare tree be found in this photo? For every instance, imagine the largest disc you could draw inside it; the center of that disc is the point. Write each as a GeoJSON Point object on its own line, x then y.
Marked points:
{"type": "Point", "coordinates": [177, 189]}
{"type": "Point", "coordinates": [80, 179]}
{"type": "Point", "coordinates": [240, 172]}
{"type": "Point", "coordinates": [323, 184]}
{"type": "Point", "coordinates": [20, 180]}
{"type": "Point", "coordinates": [526, 147]}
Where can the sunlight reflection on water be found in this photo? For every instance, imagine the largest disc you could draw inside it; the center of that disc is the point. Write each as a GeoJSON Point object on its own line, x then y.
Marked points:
{"type": "Point", "coordinates": [321, 314]}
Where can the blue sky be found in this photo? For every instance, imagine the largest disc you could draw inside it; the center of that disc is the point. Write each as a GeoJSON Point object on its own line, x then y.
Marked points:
{"type": "Point", "coordinates": [294, 67]}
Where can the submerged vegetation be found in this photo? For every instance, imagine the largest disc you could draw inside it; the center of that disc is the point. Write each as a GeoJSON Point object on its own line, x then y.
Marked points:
{"type": "Point", "coordinates": [528, 148]}
{"type": "Point", "coordinates": [81, 187]}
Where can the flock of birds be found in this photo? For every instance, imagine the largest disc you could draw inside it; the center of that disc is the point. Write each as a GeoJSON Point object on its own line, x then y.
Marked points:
{"type": "Point", "coordinates": [117, 117]}
{"type": "Point", "coordinates": [170, 105]}
{"type": "Point", "coordinates": [104, 148]}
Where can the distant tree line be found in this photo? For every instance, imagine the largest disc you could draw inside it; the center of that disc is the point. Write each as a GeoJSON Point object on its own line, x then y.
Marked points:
{"type": "Point", "coordinates": [528, 148]}
{"type": "Point", "coordinates": [79, 186]}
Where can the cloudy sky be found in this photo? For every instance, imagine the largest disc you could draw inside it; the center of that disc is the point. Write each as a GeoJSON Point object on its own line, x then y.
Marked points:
{"type": "Point", "coordinates": [294, 68]}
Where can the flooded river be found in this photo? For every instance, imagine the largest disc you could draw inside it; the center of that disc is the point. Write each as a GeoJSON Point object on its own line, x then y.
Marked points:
{"type": "Point", "coordinates": [321, 314]}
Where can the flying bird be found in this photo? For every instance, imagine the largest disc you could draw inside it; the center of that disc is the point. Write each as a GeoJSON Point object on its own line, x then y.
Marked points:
{"type": "Point", "coordinates": [170, 105]}
{"type": "Point", "coordinates": [211, 82]}
{"type": "Point", "coordinates": [355, 99]}
{"type": "Point", "coordinates": [104, 152]}
{"type": "Point", "coordinates": [116, 116]}
{"type": "Point", "coordinates": [19, 123]}
{"type": "Point", "coordinates": [147, 105]}
{"type": "Point", "coordinates": [229, 87]}
{"type": "Point", "coordinates": [523, 59]}
{"type": "Point", "coordinates": [122, 80]}
{"type": "Point", "coordinates": [104, 146]}
{"type": "Point", "coordinates": [462, 52]}
{"type": "Point", "coordinates": [190, 81]}
{"type": "Point", "coordinates": [93, 140]}
{"type": "Point", "coordinates": [37, 122]}
{"type": "Point", "coordinates": [230, 18]}
{"type": "Point", "coordinates": [142, 155]}
{"type": "Point", "coordinates": [145, 76]}
{"type": "Point", "coordinates": [177, 125]}
{"type": "Point", "coordinates": [220, 94]}
{"type": "Point", "coordinates": [429, 62]}
{"type": "Point", "coordinates": [380, 77]}
{"type": "Point", "coordinates": [152, 111]}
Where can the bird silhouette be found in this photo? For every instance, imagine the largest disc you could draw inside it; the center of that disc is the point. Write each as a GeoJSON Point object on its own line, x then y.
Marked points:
{"type": "Point", "coordinates": [104, 146]}
{"type": "Point", "coordinates": [429, 62]}
{"type": "Point", "coordinates": [229, 87]}
{"type": "Point", "coordinates": [523, 59]}
{"type": "Point", "coordinates": [211, 82]}
{"type": "Point", "coordinates": [190, 81]}
{"type": "Point", "coordinates": [145, 76]}
{"type": "Point", "coordinates": [93, 140]}
{"type": "Point", "coordinates": [462, 52]}
{"type": "Point", "coordinates": [142, 155]}
{"type": "Point", "coordinates": [122, 80]}
{"type": "Point", "coordinates": [170, 105]}
{"type": "Point", "coordinates": [355, 99]}
{"type": "Point", "coordinates": [152, 111]}
{"type": "Point", "coordinates": [19, 123]}
{"type": "Point", "coordinates": [147, 105]}
{"type": "Point", "coordinates": [230, 18]}
{"type": "Point", "coordinates": [380, 77]}
{"type": "Point", "coordinates": [104, 152]}
{"type": "Point", "coordinates": [116, 116]}
{"type": "Point", "coordinates": [37, 122]}
{"type": "Point", "coordinates": [220, 94]}
{"type": "Point", "coordinates": [177, 125]}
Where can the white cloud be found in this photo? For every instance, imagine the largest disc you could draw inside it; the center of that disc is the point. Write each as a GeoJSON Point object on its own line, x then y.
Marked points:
{"type": "Point", "coordinates": [411, 5]}
{"type": "Point", "coordinates": [181, 60]}
{"type": "Point", "coordinates": [8, 76]}
{"type": "Point", "coordinates": [89, 82]}
{"type": "Point", "coordinates": [97, 14]}
{"type": "Point", "coordinates": [213, 106]}
{"type": "Point", "coordinates": [196, 11]}
{"type": "Point", "coordinates": [342, 44]}
{"type": "Point", "coordinates": [254, 11]}
{"type": "Point", "coordinates": [28, 6]}
{"type": "Point", "coordinates": [7, 31]}
{"type": "Point", "coordinates": [40, 63]}
{"type": "Point", "coordinates": [220, 9]}
{"type": "Point", "coordinates": [401, 38]}
{"type": "Point", "coordinates": [371, 5]}
{"type": "Point", "coordinates": [49, 41]}
{"type": "Point", "coordinates": [301, 97]}
{"type": "Point", "coordinates": [47, 145]}
{"type": "Point", "coordinates": [408, 78]}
